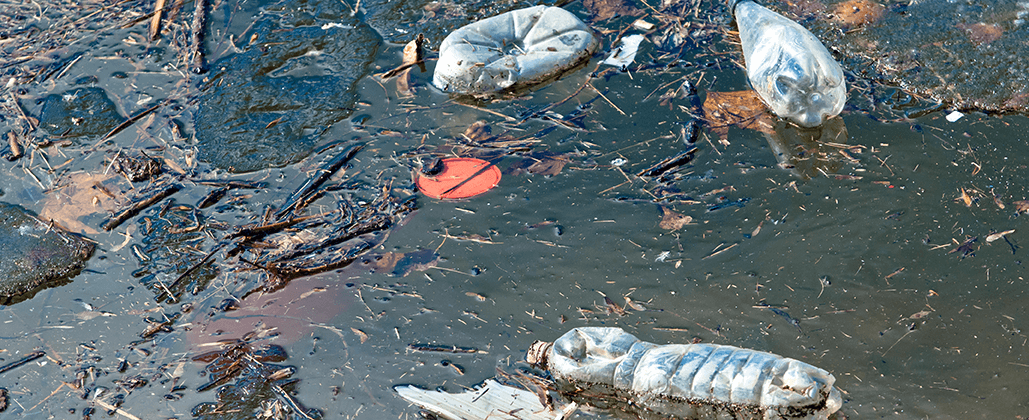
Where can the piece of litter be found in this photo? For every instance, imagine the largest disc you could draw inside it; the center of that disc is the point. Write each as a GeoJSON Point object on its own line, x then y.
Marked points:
{"type": "Point", "coordinates": [331, 25]}
{"type": "Point", "coordinates": [999, 235]}
{"type": "Point", "coordinates": [954, 116]}
{"type": "Point", "coordinates": [625, 53]}
{"type": "Point", "coordinates": [516, 49]}
{"type": "Point", "coordinates": [643, 25]}
{"type": "Point", "coordinates": [491, 401]}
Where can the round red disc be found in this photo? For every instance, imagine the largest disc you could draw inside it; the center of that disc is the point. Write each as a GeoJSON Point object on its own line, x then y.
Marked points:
{"type": "Point", "coordinates": [460, 178]}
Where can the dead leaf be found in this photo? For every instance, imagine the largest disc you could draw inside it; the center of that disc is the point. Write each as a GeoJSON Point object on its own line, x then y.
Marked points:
{"type": "Point", "coordinates": [855, 13]}
{"type": "Point", "coordinates": [413, 55]}
{"type": "Point", "coordinates": [547, 166]}
{"type": "Point", "coordinates": [671, 220]}
{"type": "Point", "coordinates": [413, 51]}
{"type": "Point", "coordinates": [362, 334]}
{"type": "Point", "coordinates": [607, 9]}
{"type": "Point", "coordinates": [998, 201]}
{"type": "Point", "coordinates": [636, 306]}
{"type": "Point", "coordinates": [998, 235]}
{"type": "Point", "coordinates": [479, 131]}
{"type": "Point", "coordinates": [79, 195]}
{"type": "Point", "coordinates": [399, 264]}
{"type": "Point", "coordinates": [981, 33]}
{"type": "Point", "coordinates": [965, 198]}
{"type": "Point", "coordinates": [613, 308]}
{"type": "Point", "coordinates": [541, 163]}
{"type": "Point", "coordinates": [1021, 206]}
{"type": "Point", "coordinates": [743, 109]}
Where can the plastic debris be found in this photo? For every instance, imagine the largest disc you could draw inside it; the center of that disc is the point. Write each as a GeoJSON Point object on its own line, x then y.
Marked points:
{"type": "Point", "coordinates": [515, 49]}
{"type": "Point", "coordinates": [954, 116]}
{"type": "Point", "coordinates": [688, 381]}
{"type": "Point", "coordinates": [625, 53]}
{"type": "Point", "coordinates": [789, 68]}
{"type": "Point", "coordinates": [492, 400]}
{"type": "Point", "coordinates": [459, 178]}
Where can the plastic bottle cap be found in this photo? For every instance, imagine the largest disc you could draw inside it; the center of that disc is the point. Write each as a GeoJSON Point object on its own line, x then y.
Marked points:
{"type": "Point", "coordinates": [460, 178]}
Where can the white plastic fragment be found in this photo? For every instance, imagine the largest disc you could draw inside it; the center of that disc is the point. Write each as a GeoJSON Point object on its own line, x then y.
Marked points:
{"type": "Point", "coordinates": [643, 25]}
{"type": "Point", "coordinates": [789, 68]}
{"type": "Point", "coordinates": [515, 49]}
{"type": "Point", "coordinates": [493, 401]}
{"type": "Point", "coordinates": [954, 116]}
{"type": "Point", "coordinates": [688, 381]}
{"type": "Point", "coordinates": [625, 53]}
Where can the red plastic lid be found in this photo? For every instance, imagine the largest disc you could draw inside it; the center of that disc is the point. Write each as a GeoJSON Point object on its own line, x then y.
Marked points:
{"type": "Point", "coordinates": [460, 178]}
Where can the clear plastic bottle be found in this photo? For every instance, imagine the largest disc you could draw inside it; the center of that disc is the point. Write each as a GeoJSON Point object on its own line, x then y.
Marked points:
{"type": "Point", "coordinates": [599, 365]}
{"type": "Point", "coordinates": [789, 68]}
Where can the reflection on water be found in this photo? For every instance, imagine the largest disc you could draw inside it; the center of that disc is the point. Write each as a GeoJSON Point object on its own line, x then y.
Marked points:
{"type": "Point", "coordinates": [808, 152]}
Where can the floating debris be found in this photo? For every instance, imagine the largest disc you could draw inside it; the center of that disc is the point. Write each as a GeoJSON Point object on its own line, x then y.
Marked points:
{"type": "Point", "coordinates": [260, 389]}
{"type": "Point", "coordinates": [599, 365]}
{"type": "Point", "coordinates": [623, 55]}
{"type": "Point", "coordinates": [519, 48]}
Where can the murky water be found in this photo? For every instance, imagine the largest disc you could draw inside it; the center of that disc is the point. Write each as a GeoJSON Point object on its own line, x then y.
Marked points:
{"type": "Point", "coordinates": [856, 237]}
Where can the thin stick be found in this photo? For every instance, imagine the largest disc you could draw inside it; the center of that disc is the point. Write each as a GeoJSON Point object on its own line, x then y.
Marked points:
{"type": "Point", "coordinates": [125, 124]}
{"type": "Point", "coordinates": [155, 21]}
{"type": "Point", "coordinates": [605, 98]}
{"type": "Point", "coordinates": [116, 409]}
{"type": "Point", "coordinates": [510, 119]}
{"type": "Point", "coordinates": [21, 112]}
{"type": "Point", "coordinates": [566, 99]}
{"type": "Point", "coordinates": [197, 63]}
{"type": "Point", "coordinates": [721, 251]}
{"type": "Point", "coordinates": [30, 357]}
{"type": "Point", "coordinates": [898, 341]}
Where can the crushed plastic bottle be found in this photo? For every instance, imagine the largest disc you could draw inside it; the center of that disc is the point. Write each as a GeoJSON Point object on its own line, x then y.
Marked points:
{"type": "Point", "coordinates": [685, 380]}
{"type": "Point", "coordinates": [515, 49]}
{"type": "Point", "coordinates": [789, 68]}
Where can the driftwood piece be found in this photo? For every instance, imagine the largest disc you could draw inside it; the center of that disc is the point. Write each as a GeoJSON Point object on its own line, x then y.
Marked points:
{"type": "Point", "coordinates": [322, 174]}
{"type": "Point", "coordinates": [28, 358]}
{"type": "Point", "coordinates": [665, 165]}
{"type": "Point", "coordinates": [150, 197]}
{"type": "Point", "coordinates": [155, 20]}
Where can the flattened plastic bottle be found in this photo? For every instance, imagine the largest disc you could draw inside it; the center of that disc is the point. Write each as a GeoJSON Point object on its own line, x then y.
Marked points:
{"type": "Point", "coordinates": [685, 380]}
{"type": "Point", "coordinates": [516, 49]}
{"type": "Point", "coordinates": [788, 67]}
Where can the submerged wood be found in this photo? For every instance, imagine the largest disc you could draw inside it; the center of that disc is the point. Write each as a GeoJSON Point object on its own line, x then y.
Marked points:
{"type": "Point", "coordinates": [149, 198]}
{"type": "Point", "coordinates": [444, 349]}
{"type": "Point", "coordinates": [663, 166]}
{"type": "Point", "coordinates": [28, 358]}
{"type": "Point", "coordinates": [128, 122]}
{"type": "Point", "coordinates": [321, 175]}
{"type": "Point", "coordinates": [197, 61]}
